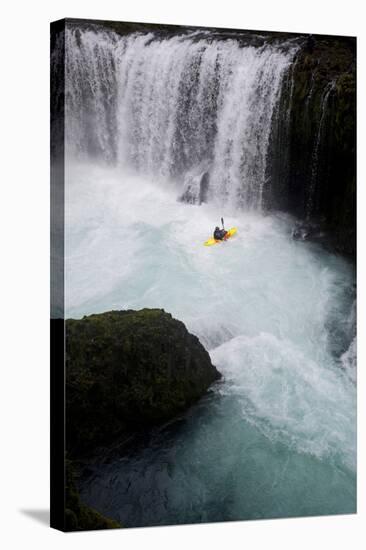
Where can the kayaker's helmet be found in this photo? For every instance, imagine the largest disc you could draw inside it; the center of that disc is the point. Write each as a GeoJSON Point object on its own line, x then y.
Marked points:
{"type": "Point", "coordinates": [217, 228]}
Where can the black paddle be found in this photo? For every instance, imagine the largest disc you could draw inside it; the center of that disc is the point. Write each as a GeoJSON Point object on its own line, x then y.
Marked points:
{"type": "Point", "coordinates": [222, 221]}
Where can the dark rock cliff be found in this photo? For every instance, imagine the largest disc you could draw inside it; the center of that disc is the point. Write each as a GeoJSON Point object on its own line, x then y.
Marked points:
{"type": "Point", "coordinates": [313, 168]}
{"type": "Point", "coordinates": [127, 370]}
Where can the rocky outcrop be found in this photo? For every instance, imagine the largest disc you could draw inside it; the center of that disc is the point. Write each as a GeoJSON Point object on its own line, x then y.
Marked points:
{"type": "Point", "coordinates": [314, 140]}
{"type": "Point", "coordinates": [127, 370]}
{"type": "Point", "coordinates": [78, 516]}
{"type": "Point", "coordinates": [196, 189]}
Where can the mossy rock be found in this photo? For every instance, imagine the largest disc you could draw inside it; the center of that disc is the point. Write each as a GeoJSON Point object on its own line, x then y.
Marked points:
{"type": "Point", "coordinates": [316, 142]}
{"type": "Point", "coordinates": [78, 516]}
{"type": "Point", "coordinates": [128, 370]}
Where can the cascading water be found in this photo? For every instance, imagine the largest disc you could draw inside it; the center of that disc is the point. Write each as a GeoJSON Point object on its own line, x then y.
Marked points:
{"type": "Point", "coordinates": [315, 156]}
{"type": "Point", "coordinates": [167, 106]}
{"type": "Point", "coordinates": [147, 115]}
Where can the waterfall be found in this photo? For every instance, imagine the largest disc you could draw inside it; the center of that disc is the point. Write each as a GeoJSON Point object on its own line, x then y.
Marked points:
{"type": "Point", "coordinates": [90, 94]}
{"type": "Point", "coordinates": [166, 106]}
{"type": "Point", "coordinates": [315, 154]}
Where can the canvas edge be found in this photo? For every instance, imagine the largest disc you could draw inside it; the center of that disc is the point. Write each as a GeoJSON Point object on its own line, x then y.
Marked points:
{"type": "Point", "coordinates": [57, 320]}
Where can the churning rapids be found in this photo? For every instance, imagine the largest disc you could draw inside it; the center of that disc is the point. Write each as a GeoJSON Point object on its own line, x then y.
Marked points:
{"type": "Point", "coordinates": [145, 117]}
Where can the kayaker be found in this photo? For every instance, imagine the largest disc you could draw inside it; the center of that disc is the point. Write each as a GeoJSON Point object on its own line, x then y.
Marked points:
{"type": "Point", "coordinates": [219, 234]}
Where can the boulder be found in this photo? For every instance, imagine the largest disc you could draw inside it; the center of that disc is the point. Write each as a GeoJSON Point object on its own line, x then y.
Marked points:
{"type": "Point", "coordinates": [196, 188]}
{"type": "Point", "coordinates": [128, 370]}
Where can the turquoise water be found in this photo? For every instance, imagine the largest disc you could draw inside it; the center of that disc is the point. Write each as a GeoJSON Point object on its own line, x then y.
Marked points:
{"type": "Point", "coordinates": [215, 466]}
{"type": "Point", "coordinates": [275, 438]}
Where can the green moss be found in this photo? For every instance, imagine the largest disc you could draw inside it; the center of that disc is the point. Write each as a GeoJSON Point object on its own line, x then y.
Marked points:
{"type": "Point", "coordinates": [330, 174]}
{"type": "Point", "coordinates": [78, 516]}
{"type": "Point", "coordinates": [127, 370]}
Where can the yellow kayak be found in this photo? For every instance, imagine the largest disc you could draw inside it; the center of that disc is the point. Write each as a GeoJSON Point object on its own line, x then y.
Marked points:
{"type": "Point", "coordinates": [229, 234]}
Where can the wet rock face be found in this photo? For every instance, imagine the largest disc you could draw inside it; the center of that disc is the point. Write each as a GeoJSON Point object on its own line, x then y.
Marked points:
{"type": "Point", "coordinates": [204, 185]}
{"type": "Point", "coordinates": [196, 189]}
{"type": "Point", "coordinates": [317, 133]}
{"type": "Point", "coordinates": [127, 370]}
{"type": "Point", "coordinates": [308, 231]}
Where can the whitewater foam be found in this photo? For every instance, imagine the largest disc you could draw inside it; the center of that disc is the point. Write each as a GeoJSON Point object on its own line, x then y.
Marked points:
{"type": "Point", "coordinates": [261, 303]}
{"type": "Point", "coordinates": [289, 397]}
